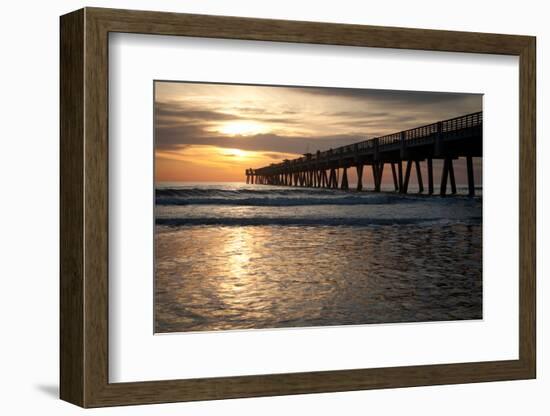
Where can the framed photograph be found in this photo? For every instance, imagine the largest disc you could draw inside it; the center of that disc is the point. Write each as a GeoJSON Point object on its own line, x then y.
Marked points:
{"type": "Point", "coordinates": [260, 207]}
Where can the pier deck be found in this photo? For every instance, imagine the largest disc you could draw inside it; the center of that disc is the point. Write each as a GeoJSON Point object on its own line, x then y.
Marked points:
{"type": "Point", "coordinates": [447, 140]}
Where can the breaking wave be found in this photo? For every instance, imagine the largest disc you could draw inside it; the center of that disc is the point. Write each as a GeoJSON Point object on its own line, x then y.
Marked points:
{"type": "Point", "coordinates": [273, 197]}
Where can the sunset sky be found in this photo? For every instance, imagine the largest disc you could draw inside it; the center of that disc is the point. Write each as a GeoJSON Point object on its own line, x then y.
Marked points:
{"type": "Point", "coordinates": [213, 132]}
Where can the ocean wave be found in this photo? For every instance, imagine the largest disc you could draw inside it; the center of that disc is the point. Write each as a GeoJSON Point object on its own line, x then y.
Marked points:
{"type": "Point", "coordinates": [291, 221]}
{"type": "Point", "coordinates": [229, 193]}
{"type": "Point", "coordinates": [274, 197]}
{"type": "Point", "coordinates": [275, 201]}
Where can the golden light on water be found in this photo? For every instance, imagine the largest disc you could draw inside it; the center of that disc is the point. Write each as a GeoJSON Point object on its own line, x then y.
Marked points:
{"type": "Point", "coordinates": [239, 250]}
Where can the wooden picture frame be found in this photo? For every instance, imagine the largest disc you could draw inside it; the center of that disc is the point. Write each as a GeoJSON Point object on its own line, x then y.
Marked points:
{"type": "Point", "coordinates": [84, 207]}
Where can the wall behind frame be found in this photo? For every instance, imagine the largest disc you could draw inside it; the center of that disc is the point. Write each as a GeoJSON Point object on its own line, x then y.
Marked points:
{"type": "Point", "coordinates": [29, 168]}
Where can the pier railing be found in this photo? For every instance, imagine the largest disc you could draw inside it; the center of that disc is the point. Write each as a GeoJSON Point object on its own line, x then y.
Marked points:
{"type": "Point", "coordinates": [410, 135]}
{"type": "Point", "coordinates": [447, 140]}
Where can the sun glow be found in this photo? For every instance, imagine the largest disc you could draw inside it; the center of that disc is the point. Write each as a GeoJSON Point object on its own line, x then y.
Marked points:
{"type": "Point", "coordinates": [242, 128]}
{"type": "Point", "coordinates": [234, 152]}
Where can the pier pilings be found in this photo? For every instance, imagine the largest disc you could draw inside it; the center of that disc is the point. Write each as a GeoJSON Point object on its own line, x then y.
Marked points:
{"type": "Point", "coordinates": [447, 140]}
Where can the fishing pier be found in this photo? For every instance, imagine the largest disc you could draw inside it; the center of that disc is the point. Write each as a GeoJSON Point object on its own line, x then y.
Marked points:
{"type": "Point", "coordinates": [446, 140]}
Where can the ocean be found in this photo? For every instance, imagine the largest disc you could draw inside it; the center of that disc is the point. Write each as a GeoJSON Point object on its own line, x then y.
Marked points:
{"type": "Point", "coordinates": [234, 256]}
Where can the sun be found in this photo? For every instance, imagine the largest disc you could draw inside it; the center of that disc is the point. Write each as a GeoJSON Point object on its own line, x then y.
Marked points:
{"type": "Point", "coordinates": [238, 153]}
{"type": "Point", "coordinates": [242, 128]}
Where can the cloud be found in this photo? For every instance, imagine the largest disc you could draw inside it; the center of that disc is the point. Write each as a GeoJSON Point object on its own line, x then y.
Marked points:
{"type": "Point", "coordinates": [176, 138]}
{"type": "Point", "coordinates": [359, 114]}
{"type": "Point", "coordinates": [418, 98]}
{"type": "Point", "coordinates": [181, 111]}
{"type": "Point", "coordinates": [277, 156]}
{"type": "Point", "coordinates": [175, 113]}
{"type": "Point", "coordinates": [298, 122]}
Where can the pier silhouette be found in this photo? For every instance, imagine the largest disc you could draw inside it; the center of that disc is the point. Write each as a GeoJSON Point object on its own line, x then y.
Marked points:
{"type": "Point", "coordinates": [447, 140]}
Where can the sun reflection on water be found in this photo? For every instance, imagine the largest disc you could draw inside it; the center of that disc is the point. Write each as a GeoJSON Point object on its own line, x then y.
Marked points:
{"type": "Point", "coordinates": [215, 278]}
